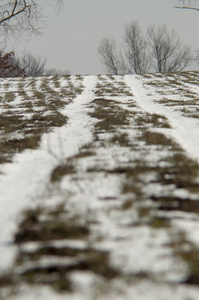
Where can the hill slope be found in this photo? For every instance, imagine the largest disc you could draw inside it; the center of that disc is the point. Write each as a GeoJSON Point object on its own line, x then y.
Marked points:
{"type": "Point", "coordinates": [99, 187]}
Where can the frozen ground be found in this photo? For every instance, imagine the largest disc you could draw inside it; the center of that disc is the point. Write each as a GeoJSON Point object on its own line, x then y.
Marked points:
{"type": "Point", "coordinates": [99, 187]}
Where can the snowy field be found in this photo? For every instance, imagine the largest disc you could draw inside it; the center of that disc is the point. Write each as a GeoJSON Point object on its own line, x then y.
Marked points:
{"type": "Point", "coordinates": [99, 187]}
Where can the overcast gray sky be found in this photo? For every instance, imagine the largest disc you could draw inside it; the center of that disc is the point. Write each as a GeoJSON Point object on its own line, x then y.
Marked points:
{"type": "Point", "coordinates": [70, 40]}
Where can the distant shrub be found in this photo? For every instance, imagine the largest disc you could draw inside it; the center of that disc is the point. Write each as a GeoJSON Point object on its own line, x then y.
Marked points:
{"type": "Point", "coordinates": [9, 66]}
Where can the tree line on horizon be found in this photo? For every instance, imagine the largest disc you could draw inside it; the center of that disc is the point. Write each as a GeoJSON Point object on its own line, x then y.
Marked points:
{"type": "Point", "coordinates": [161, 50]}
{"type": "Point", "coordinates": [26, 65]}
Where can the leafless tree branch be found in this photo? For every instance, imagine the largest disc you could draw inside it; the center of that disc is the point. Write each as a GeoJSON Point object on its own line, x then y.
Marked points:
{"type": "Point", "coordinates": [136, 49]}
{"type": "Point", "coordinates": [163, 51]}
{"type": "Point", "coordinates": [107, 50]}
{"type": "Point", "coordinates": [22, 16]}
{"type": "Point", "coordinates": [168, 52]}
{"type": "Point", "coordinates": [33, 65]}
{"type": "Point", "coordinates": [187, 4]}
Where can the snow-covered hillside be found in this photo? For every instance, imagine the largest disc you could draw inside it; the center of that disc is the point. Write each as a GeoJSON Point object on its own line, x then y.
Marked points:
{"type": "Point", "coordinates": [99, 187]}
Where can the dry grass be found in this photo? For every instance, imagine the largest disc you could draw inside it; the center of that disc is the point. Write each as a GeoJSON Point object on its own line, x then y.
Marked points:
{"type": "Point", "coordinates": [170, 169]}
{"type": "Point", "coordinates": [112, 87]}
{"type": "Point", "coordinates": [62, 170]}
{"type": "Point", "coordinates": [23, 123]}
{"type": "Point", "coordinates": [45, 225]}
{"type": "Point", "coordinates": [153, 120]}
{"type": "Point", "coordinates": [111, 116]}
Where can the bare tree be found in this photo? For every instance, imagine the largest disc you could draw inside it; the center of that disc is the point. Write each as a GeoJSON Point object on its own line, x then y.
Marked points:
{"type": "Point", "coordinates": [19, 16]}
{"type": "Point", "coordinates": [168, 51]}
{"type": "Point", "coordinates": [187, 4]}
{"type": "Point", "coordinates": [136, 49]}
{"type": "Point", "coordinates": [162, 51]}
{"type": "Point", "coordinates": [110, 59]}
{"type": "Point", "coordinates": [133, 60]}
{"type": "Point", "coordinates": [33, 65]}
